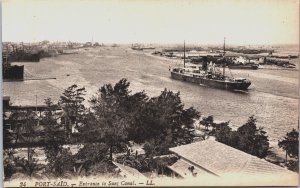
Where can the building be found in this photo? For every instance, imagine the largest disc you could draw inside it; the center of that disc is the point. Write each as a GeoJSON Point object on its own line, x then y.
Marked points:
{"type": "Point", "coordinates": [128, 172]}
{"type": "Point", "coordinates": [240, 60]}
{"type": "Point", "coordinates": [213, 159]}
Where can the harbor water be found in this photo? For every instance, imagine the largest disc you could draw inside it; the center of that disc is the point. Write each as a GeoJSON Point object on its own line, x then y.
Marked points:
{"type": "Point", "coordinates": [272, 97]}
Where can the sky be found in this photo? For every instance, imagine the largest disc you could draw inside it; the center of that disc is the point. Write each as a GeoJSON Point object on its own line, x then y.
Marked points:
{"type": "Point", "coordinates": [152, 21]}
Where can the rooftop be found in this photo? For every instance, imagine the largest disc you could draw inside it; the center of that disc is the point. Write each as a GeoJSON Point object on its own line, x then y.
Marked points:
{"type": "Point", "coordinates": [128, 171]}
{"type": "Point", "coordinates": [220, 159]}
{"type": "Point", "coordinates": [181, 167]}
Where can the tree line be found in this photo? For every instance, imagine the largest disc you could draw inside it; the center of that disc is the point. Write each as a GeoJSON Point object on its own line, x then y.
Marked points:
{"type": "Point", "coordinates": [115, 118]}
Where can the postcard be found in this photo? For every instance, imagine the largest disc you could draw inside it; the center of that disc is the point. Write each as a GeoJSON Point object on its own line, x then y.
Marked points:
{"type": "Point", "coordinates": [150, 93]}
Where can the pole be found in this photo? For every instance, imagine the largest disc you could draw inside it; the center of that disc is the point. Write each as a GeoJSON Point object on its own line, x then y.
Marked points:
{"type": "Point", "coordinates": [7, 56]}
{"type": "Point", "coordinates": [224, 46]}
{"type": "Point", "coordinates": [224, 58]}
{"type": "Point", "coordinates": [36, 103]}
{"type": "Point", "coordinates": [184, 54]}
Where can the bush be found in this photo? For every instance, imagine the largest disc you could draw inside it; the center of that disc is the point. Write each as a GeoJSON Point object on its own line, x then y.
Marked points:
{"type": "Point", "coordinates": [293, 165]}
{"type": "Point", "coordinates": [29, 167]}
{"type": "Point", "coordinates": [103, 168]}
{"type": "Point", "coordinates": [94, 152]}
{"type": "Point", "coordinates": [155, 147]}
{"type": "Point", "coordinates": [8, 163]}
{"type": "Point", "coordinates": [60, 161]}
{"type": "Point", "coordinates": [140, 162]}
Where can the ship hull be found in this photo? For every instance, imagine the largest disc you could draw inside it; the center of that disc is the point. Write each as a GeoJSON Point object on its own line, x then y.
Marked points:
{"type": "Point", "coordinates": [243, 67]}
{"type": "Point", "coordinates": [25, 58]}
{"type": "Point", "coordinates": [14, 72]}
{"type": "Point", "coordinates": [220, 84]}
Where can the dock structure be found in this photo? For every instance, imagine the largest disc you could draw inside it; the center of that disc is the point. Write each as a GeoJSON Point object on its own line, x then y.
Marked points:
{"type": "Point", "coordinates": [7, 107]}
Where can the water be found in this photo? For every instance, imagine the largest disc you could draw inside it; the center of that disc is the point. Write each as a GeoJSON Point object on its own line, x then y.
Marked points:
{"type": "Point", "coordinates": [272, 98]}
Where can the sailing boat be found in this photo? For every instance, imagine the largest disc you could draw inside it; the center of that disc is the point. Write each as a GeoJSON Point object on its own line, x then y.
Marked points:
{"type": "Point", "coordinates": [208, 75]}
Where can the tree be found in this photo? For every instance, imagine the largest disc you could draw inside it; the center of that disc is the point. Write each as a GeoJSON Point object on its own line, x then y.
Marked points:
{"type": "Point", "coordinates": [22, 123]}
{"type": "Point", "coordinates": [110, 120]}
{"type": "Point", "coordinates": [29, 122]}
{"type": "Point", "coordinates": [290, 144]}
{"type": "Point", "coordinates": [167, 122]}
{"type": "Point", "coordinates": [59, 159]}
{"type": "Point", "coordinates": [25, 123]}
{"type": "Point", "coordinates": [117, 116]}
{"type": "Point", "coordinates": [136, 108]}
{"type": "Point", "coordinates": [74, 110]}
{"type": "Point", "coordinates": [208, 122]}
{"type": "Point", "coordinates": [155, 147]}
{"type": "Point", "coordinates": [247, 138]}
{"type": "Point", "coordinates": [223, 133]}
{"type": "Point", "coordinates": [253, 140]}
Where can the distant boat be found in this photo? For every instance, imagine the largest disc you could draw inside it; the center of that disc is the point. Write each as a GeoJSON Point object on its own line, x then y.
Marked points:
{"type": "Point", "coordinates": [209, 75]}
{"type": "Point", "coordinates": [148, 48]}
{"type": "Point", "coordinates": [12, 72]}
{"type": "Point", "coordinates": [246, 66]}
{"type": "Point", "coordinates": [136, 48]}
{"type": "Point", "coordinates": [290, 66]}
{"type": "Point", "coordinates": [141, 47]}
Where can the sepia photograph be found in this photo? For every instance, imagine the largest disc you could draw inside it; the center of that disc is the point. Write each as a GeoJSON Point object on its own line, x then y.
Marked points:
{"type": "Point", "coordinates": [146, 93]}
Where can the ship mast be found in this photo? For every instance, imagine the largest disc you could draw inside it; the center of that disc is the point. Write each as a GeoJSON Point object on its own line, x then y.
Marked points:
{"type": "Point", "coordinates": [184, 54]}
{"type": "Point", "coordinates": [224, 58]}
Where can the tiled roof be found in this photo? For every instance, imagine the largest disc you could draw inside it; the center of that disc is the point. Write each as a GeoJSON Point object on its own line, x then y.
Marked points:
{"type": "Point", "coordinates": [221, 159]}
{"type": "Point", "coordinates": [181, 167]}
{"type": "Point", "coordinates": [130, 172]}
{"type": "Point", "coordinates": [257, 165]}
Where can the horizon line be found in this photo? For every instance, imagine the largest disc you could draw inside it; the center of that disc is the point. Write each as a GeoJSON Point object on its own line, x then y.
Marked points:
{"type": "Point", "coordinates": [115, 42]}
